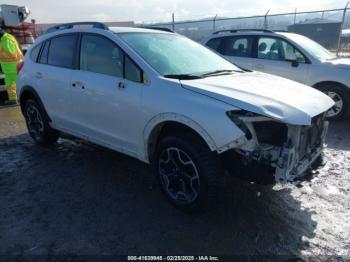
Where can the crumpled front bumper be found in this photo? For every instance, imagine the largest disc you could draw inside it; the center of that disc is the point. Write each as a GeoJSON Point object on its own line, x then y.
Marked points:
{"type": "Point", "coordinates": [291, 165]}
{"type": "Point", "coordinates": [302, 146]}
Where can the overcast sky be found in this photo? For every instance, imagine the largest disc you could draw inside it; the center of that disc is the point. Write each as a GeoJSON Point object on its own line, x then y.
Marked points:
{"type": "Point", "coordinates": [46, 11]}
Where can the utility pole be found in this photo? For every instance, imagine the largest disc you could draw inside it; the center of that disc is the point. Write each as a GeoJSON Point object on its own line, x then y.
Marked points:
{"type": "Point", "coordinates": [341, 28]}
{"type": "Point", "coordinates": [214, 23]}
{"type": "Point", "coordinates": [173, 21]}
{"type": "Point", "coordinates": [265, 20]}
{"type": "Point", "coordinates": [295, 16]}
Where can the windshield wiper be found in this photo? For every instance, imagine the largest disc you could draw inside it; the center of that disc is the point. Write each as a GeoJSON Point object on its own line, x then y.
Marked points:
{"type": "Point", "coordinates": [183, 76]}
{"type": "Point", "coordinates": [219, 72]}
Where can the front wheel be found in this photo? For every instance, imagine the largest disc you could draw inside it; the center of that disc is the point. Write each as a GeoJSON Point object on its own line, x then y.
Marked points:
{"type": "Point", "coordinates": [37, 124]}
{"type": "Point", "coordinates": [188, 172]}
{"type": "Point", "coordinates": [340, 102]}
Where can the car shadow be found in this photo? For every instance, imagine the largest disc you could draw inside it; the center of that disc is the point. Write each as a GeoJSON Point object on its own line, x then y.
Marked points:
{"type": "Point", "coordinates": [79, 198]}
{"type": "Point", "coordinates": [338, 136]}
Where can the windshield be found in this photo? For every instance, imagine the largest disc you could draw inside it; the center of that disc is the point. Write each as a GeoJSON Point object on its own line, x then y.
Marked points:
{"type": "Point", "coordinates": [315, 49]}
{"type": "Point", "coordinates": [171, 54]}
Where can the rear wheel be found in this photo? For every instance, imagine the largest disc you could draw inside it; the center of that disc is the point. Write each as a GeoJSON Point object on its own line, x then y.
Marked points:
{"type": "Point", "coordinates": [37, 124]}
{"type": "Point", "coordinates": [339, 97]}
{"type": "Point", "coordinates": [188, 172]}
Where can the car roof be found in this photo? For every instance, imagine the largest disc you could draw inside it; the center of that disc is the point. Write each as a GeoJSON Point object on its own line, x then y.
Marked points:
{"type": "Point", "coordinates": [136, 30]}
{"type": "Point", "coordinates": [250, 33]}
{"type": "Point", "coordinates": [99, 27]}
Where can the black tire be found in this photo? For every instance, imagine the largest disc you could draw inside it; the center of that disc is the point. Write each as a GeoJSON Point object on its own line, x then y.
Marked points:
{"type": "Point", "coordinates": [340, 97]}
{"type": "Point", "coordinates": [319, 162]}
{"type": "Point", "coordinates": [38, 125]}
{"type": "Point", "coordinates": [206, 164]}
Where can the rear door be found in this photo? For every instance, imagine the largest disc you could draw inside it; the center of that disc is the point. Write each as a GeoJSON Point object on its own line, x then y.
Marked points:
{"type": "Point", "coordinates": [52, 75]}
{"type": "Point", "coordinates": [236, 49]}
{"type": "Point", "coordinates": [106, 94]}
{"type": "Point", "coordinates": [279, 57]}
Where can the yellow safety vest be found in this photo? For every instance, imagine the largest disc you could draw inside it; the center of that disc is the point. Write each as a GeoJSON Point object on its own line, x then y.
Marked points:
{"type": "Point", "coordinates": [9, 49]}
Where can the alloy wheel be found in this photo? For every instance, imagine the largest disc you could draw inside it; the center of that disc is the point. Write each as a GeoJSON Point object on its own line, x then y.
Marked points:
{"type": "Point", "coordinates": [35, 122]}
{"type": "Point", "coordinates": [179, 175]}
{"type": "Point", "coordinates": [338, 106]}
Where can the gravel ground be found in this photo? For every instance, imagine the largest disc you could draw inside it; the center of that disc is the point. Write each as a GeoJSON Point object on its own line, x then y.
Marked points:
{"type": "Point", "coordinates": [77, 198]}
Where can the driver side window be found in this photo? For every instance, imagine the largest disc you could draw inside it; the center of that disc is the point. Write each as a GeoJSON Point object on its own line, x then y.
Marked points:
{"type": "Point", "coordinates": [271, 48]}
{"type": "Point", "coordinates": [99, 55]}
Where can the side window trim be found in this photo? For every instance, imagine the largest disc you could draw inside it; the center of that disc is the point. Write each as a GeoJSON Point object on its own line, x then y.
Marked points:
{"type": "Point", "coordinates": [255, 46]}
{"type": "Point", "coordinates": [38, 55]}
{"type": "Point", "coordinates": [46, 42]}
{"type": "Point", "coordinates": [137, 66]}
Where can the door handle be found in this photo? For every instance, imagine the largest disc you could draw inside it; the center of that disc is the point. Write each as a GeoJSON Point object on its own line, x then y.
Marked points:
{"type": "Point", "coordinates": [78, 84]}
{"type": "Point", "coordinates": [38, 75]}
{"type": "Point", "coordinates": [122, 85]}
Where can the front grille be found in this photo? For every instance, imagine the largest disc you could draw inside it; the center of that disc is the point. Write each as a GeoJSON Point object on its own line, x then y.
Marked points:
{"type": "Point", "coordinates": [311, 136]}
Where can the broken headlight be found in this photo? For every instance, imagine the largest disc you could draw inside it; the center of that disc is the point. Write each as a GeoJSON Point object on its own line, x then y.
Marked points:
{"type": "Point", "coordinates": [267, 131]}
{"type": "Point", "coordinates": [235, 117]}
{"type": "Point", "coordinates": [271, 132]}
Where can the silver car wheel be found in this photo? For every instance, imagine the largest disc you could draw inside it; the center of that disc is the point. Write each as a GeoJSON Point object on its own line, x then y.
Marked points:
{"type": "Point", "coordinates": [338, 106]}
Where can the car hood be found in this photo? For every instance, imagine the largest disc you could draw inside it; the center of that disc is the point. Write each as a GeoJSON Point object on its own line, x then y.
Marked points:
{"type": "Point", "coordinates": [264, 94]}
{"type": "Point", "coordinates": [343, 63]}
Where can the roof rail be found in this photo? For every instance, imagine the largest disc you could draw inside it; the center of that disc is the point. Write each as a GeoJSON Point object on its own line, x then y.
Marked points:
{"type": "Point", "coordinates": [165, 29]}
{"type": "Point", "coordinates": [243, 30]}
{"type": "Point", "coordinates": [71, 25]}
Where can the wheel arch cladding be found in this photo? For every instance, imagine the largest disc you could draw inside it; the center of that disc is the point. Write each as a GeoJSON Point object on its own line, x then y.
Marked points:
{"type": "Point", "coordinates": [324, 84]}
{"type": "Point", "coordinates": [28, 92]}
{"type": "Point", "coordinates": [172, 123]}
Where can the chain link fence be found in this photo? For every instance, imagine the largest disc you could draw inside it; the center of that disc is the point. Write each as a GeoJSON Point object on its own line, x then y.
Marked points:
{"type": "Point", "coordinates": [331, 28]}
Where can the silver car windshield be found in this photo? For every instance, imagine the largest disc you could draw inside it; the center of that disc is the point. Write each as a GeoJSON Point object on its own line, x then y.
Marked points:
{"type": "Point", "coordinates": [313, 48]}
{"type": "Point", "coordinates": [172, 54]}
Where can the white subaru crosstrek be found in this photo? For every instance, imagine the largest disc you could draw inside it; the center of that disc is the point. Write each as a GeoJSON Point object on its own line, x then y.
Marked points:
{"type": "Point", "coordinates": [289, 55]}
{"type": "Point", "coordinates": [166, 100]}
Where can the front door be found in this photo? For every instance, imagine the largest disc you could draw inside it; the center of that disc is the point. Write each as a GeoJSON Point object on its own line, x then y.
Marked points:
{"type": "Point", "coordinates": [106, 94]}
{"type": "Point", "coordinates": [278, 57]}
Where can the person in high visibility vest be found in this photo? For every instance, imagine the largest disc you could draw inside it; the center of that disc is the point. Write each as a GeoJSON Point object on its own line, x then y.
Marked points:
{"type": "Point", "coordinates": [10, 56]}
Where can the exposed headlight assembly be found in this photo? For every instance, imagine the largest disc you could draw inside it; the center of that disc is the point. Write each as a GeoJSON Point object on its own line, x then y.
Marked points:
{"type": "Point", "coordinates": [266, 130]}
{"type": "Point", "coordinates": [235, 117]}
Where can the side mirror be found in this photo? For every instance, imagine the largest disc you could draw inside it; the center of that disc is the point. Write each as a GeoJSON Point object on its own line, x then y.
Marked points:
{"type": "Point", "coordinates": [295, 63]}
{"type": "Point", "coordinates": [291, 57]}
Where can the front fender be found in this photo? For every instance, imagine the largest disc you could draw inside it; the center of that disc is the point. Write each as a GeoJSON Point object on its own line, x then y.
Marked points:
{"type": "Point", "coordinates": [165, 117]}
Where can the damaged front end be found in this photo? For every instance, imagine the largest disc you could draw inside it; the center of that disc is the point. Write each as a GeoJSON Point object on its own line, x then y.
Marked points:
{"type": "Point", "coordinates": [288, 149]}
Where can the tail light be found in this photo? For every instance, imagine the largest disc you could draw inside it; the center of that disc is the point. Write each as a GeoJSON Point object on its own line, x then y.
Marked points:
{"type": "Point", "coordinates": [20, 66]}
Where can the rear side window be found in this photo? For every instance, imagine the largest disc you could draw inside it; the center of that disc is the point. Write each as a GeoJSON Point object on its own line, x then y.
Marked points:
{"type": "Point", "coordinates": [35, 53]}
{"type": "Point", "coordinates": [215, 44]}
{"type": "Point", "coordinates": [240, 46]}
{"type": "Point", "coordinates": [61, 51]}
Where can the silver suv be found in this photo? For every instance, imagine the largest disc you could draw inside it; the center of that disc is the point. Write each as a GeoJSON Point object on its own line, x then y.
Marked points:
{"type": "Point", "coordinates": [289, 55]}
